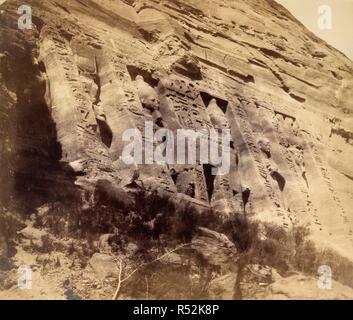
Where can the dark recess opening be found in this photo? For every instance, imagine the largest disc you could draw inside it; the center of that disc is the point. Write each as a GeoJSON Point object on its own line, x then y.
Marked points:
{"type": "Point", "coordinates": [305, 179]}
{"type": "Point", "coordinates": [105, 133]}
{"type": "Point", "coordinates": [245, 197]}
{"type": "Point", "coordinates": [207, 171]}
{"type": "Point", "coordinates": [97, 81]}
{"type": "Point", "coordinates": [191, 190]}
{"type": "Point", "coordinates": [38, 22]}
{"type": "Point", "coordinates": [39, 175]}
{"type": "Point", "coordinates": [206, 97]}
{"type": "Point", "coordinates": [159, 123]}
{"type": "Point", "coordinates": [174, 175]}
{"type": "Point", "coordinates": [188, 69]}
{"type": "Point", "coordinates": [135, 71]}
{"type": "Point", "coordinates": [280, 180]}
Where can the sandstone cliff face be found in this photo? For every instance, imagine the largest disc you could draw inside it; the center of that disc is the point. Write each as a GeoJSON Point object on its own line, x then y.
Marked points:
{"type": "Point", "coordinates": [70, 87]}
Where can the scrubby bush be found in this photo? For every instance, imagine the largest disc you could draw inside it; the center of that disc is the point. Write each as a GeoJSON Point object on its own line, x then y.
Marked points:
{"type": "Point", "coordinates": [9, 224]}
{"type": "Point", "coordinates": [286, 250]}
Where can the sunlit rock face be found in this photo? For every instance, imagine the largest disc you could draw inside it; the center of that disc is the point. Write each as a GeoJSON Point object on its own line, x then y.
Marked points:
{"type": "Point", "coordinates": [88, 70]}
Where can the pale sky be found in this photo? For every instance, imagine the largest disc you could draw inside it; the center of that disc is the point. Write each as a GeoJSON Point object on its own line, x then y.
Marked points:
{"type": "Point", "coordinates": [341, 34]}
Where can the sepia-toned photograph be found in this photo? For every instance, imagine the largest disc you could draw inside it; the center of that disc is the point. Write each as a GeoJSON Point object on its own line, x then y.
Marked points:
{"type": "Point", "coordinates": [176, 150]}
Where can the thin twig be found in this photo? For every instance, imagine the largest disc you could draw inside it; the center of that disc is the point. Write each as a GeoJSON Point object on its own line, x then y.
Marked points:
{"type": "Point", "coordinates": [147, 294]}
{"type": "Point", "coordinates": [120, 281]}
{"type": "Point", "coordinates": [157, 259]}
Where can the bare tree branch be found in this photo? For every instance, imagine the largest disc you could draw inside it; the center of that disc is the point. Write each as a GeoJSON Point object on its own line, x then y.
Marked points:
{"type": "Point", "coordinates": [120, 281]}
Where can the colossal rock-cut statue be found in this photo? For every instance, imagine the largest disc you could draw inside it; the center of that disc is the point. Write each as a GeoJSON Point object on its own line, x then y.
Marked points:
{"type": "Point", "coordinates": [99, 112]}
{"type": "Point", "coordinates": [265, 146]}
{"type": "Point", "coordinates": [217, 116]}
{"type": "Point", "coordinates": [298, 155]}
{"type": "Point", "coordinates": [147, 94]}
{"type": "Point", "coordinates": [166, 105]}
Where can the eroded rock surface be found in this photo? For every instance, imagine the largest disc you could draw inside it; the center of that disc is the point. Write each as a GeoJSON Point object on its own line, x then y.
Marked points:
{"type": "Point", "coordinates": [90, 69]}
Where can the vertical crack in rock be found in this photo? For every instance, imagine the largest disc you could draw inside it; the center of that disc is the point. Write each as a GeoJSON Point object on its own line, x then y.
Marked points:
{"type": "Point", "coordinates": [105, 131]}
{"type": "Point", "coordinates": [207, 170]}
